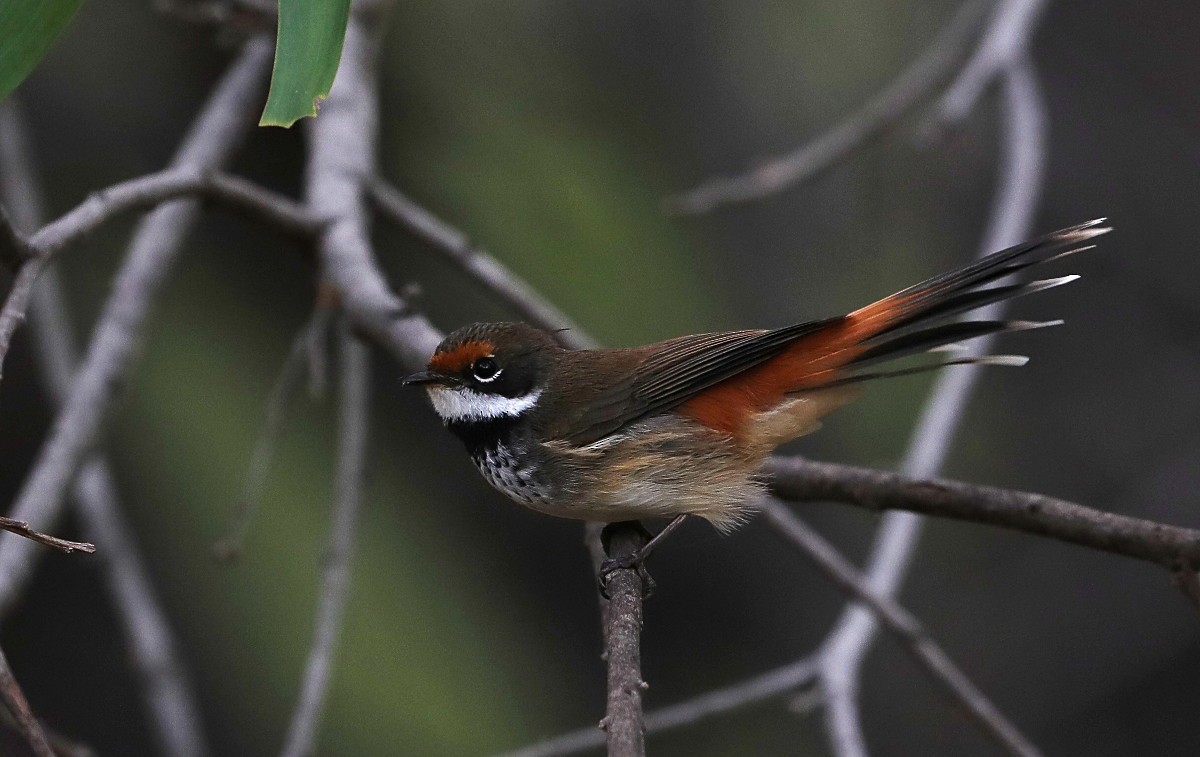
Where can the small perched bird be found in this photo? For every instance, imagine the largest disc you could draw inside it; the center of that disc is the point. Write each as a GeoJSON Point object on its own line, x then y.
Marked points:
{"type": "Point", "coordinates": [681, 427]}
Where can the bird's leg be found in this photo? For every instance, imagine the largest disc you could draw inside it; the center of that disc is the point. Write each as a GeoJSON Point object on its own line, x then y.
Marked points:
{"type": "Point", "coordinates": [637, 558]}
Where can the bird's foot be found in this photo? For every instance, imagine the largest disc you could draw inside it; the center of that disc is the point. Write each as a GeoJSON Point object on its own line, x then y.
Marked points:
{"type": "Point", "coordinates": [633, 561]}
{"type": "Point", "coordinates": [629, 562]}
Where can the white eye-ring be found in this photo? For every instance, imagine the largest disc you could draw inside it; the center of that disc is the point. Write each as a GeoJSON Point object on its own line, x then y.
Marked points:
{"type": "Point", "coordinates": [485, 370]}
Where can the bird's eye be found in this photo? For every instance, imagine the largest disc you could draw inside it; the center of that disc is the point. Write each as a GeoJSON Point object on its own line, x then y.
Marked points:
{"type": "Point", "coordinates": [485, 369]}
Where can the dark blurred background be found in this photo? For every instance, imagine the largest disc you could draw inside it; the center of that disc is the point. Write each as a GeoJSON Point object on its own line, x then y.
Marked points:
{"type": "Point", "coordinates": [550, 132]}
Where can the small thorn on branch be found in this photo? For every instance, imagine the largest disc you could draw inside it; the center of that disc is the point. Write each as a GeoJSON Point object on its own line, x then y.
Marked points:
{"type": "Point", "coordinates": [1188, 582]}
{"type": "Point", "coordinates": [21, 528]}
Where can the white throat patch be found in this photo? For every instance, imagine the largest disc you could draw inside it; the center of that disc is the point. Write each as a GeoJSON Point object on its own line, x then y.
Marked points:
{"type": "Point", "coordinates": [468, 405]}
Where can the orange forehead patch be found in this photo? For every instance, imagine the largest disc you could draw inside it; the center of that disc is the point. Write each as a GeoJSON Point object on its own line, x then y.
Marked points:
{"type": "Point", "coordinates": [454, 360]}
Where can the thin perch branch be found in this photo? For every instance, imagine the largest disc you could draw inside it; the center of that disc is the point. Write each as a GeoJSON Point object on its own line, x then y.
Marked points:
{"type": "Point", "coordinates": [930, 71]}
{"type": "Point", "coordinates": [354, 418]}
{"type": "Point", "coordinates": [801, 480]}
{"type": "Point", "coordinates": [902, 624]}
{"type": "Point", "coordinates": [623, 649]}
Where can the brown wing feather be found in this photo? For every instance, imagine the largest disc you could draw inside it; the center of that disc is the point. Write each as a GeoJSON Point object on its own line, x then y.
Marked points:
{"type": "Point", "coordinates": [724, 378]}
{"type": "Point", "coordinates": [662, 376]}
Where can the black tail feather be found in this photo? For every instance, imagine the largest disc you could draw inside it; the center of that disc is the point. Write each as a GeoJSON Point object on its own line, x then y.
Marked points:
{"type": "Point", "coordinates": [972, 300]}
{"type": "Point", "coordinates": [999, 264]}
{"type": "Point", "coordinates": [858, 378]}
{"type": "Point", "coordinates": [928, 339]}
{"type": "Point", "coordinates": [922, 324]}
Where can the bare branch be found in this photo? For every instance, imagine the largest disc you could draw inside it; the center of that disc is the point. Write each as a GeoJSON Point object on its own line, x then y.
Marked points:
{"type": "Point", "coordinates": [353, 422]}
{"type": "Point", "coordinates": [803, 480]}
{"type": "Point", "coordinates": [1005, 42]}
{"type": "Point", "coordinates": [623, 649]}
{"type": "Point", "coordinates": [229, 114]}
{"type": "Point", "coordinates": [154, 189]}
{"type": "Point", "coordinates": [930, 71]}
{"type": "Point", "coordinates": [14, 700]}
{"type": "Point", "coordinates": [1019, 184]}
{"type": "Point", "coordinates": [166, 690]}
{"type": "Point", "coordinates": [901, 623]}
{"type": "Point", "coordinates": [21, 528]}
{"type": "Point", "coordinates": [476, 263]}
{"type": "Point", "coordinates": [137, 194]}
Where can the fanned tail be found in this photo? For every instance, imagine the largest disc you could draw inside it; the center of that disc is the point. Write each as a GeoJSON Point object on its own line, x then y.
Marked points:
{"type": "Point", "coordinates": [916, 320]}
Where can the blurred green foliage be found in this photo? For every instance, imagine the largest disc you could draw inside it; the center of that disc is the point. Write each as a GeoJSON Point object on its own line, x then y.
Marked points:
{"type": "Point", "coordinates": [27, 29]}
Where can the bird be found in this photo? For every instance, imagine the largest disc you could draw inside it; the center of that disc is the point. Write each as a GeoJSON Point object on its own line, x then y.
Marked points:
{"type": "Point", "coordinates": [681, 427]}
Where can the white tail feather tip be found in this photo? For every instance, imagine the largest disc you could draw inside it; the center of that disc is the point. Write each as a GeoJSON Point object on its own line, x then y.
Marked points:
{"type": "Point", "coordinates": [1015, 361]}
{"type": "Point", "coordinates": [1027, 325]}
{"type": "Point", "coordinates": [951, 347]}
{"type": "Point", "coordinates": [1044, 284]}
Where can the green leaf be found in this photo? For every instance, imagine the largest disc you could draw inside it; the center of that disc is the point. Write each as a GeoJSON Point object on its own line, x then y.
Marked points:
{"type": "Point", "coordinates": [307, 51]}
{"type": "Point", "coordinates": [27, 27]}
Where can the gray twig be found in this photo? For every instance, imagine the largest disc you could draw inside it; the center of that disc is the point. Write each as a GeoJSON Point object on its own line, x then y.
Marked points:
{"type": "Point", "coordinates": [801, 480]}
{"type": "Point", "coordinates": [18, 706]}
{"type": "Point", "coordinates": [623, 651]}
{"type": "Point", "coordinates": [1019, 184]}
{"type": "Point", "coordinates": [154, 189]}
{"type": "Point", "coordinates": [354, 418]}
{"type": "Point", "coordinates": [926, 74]}
{"type": "Point", "coordinates": [225, 118]}
{"type": "Point", "coordinates": [166, 690]}
{"type": "Point", "coordinates": [456, 248]}
{"type": "Point", "coordinates": [913, 636]}
{"type": "Point", "coordinates": [22, 529]}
